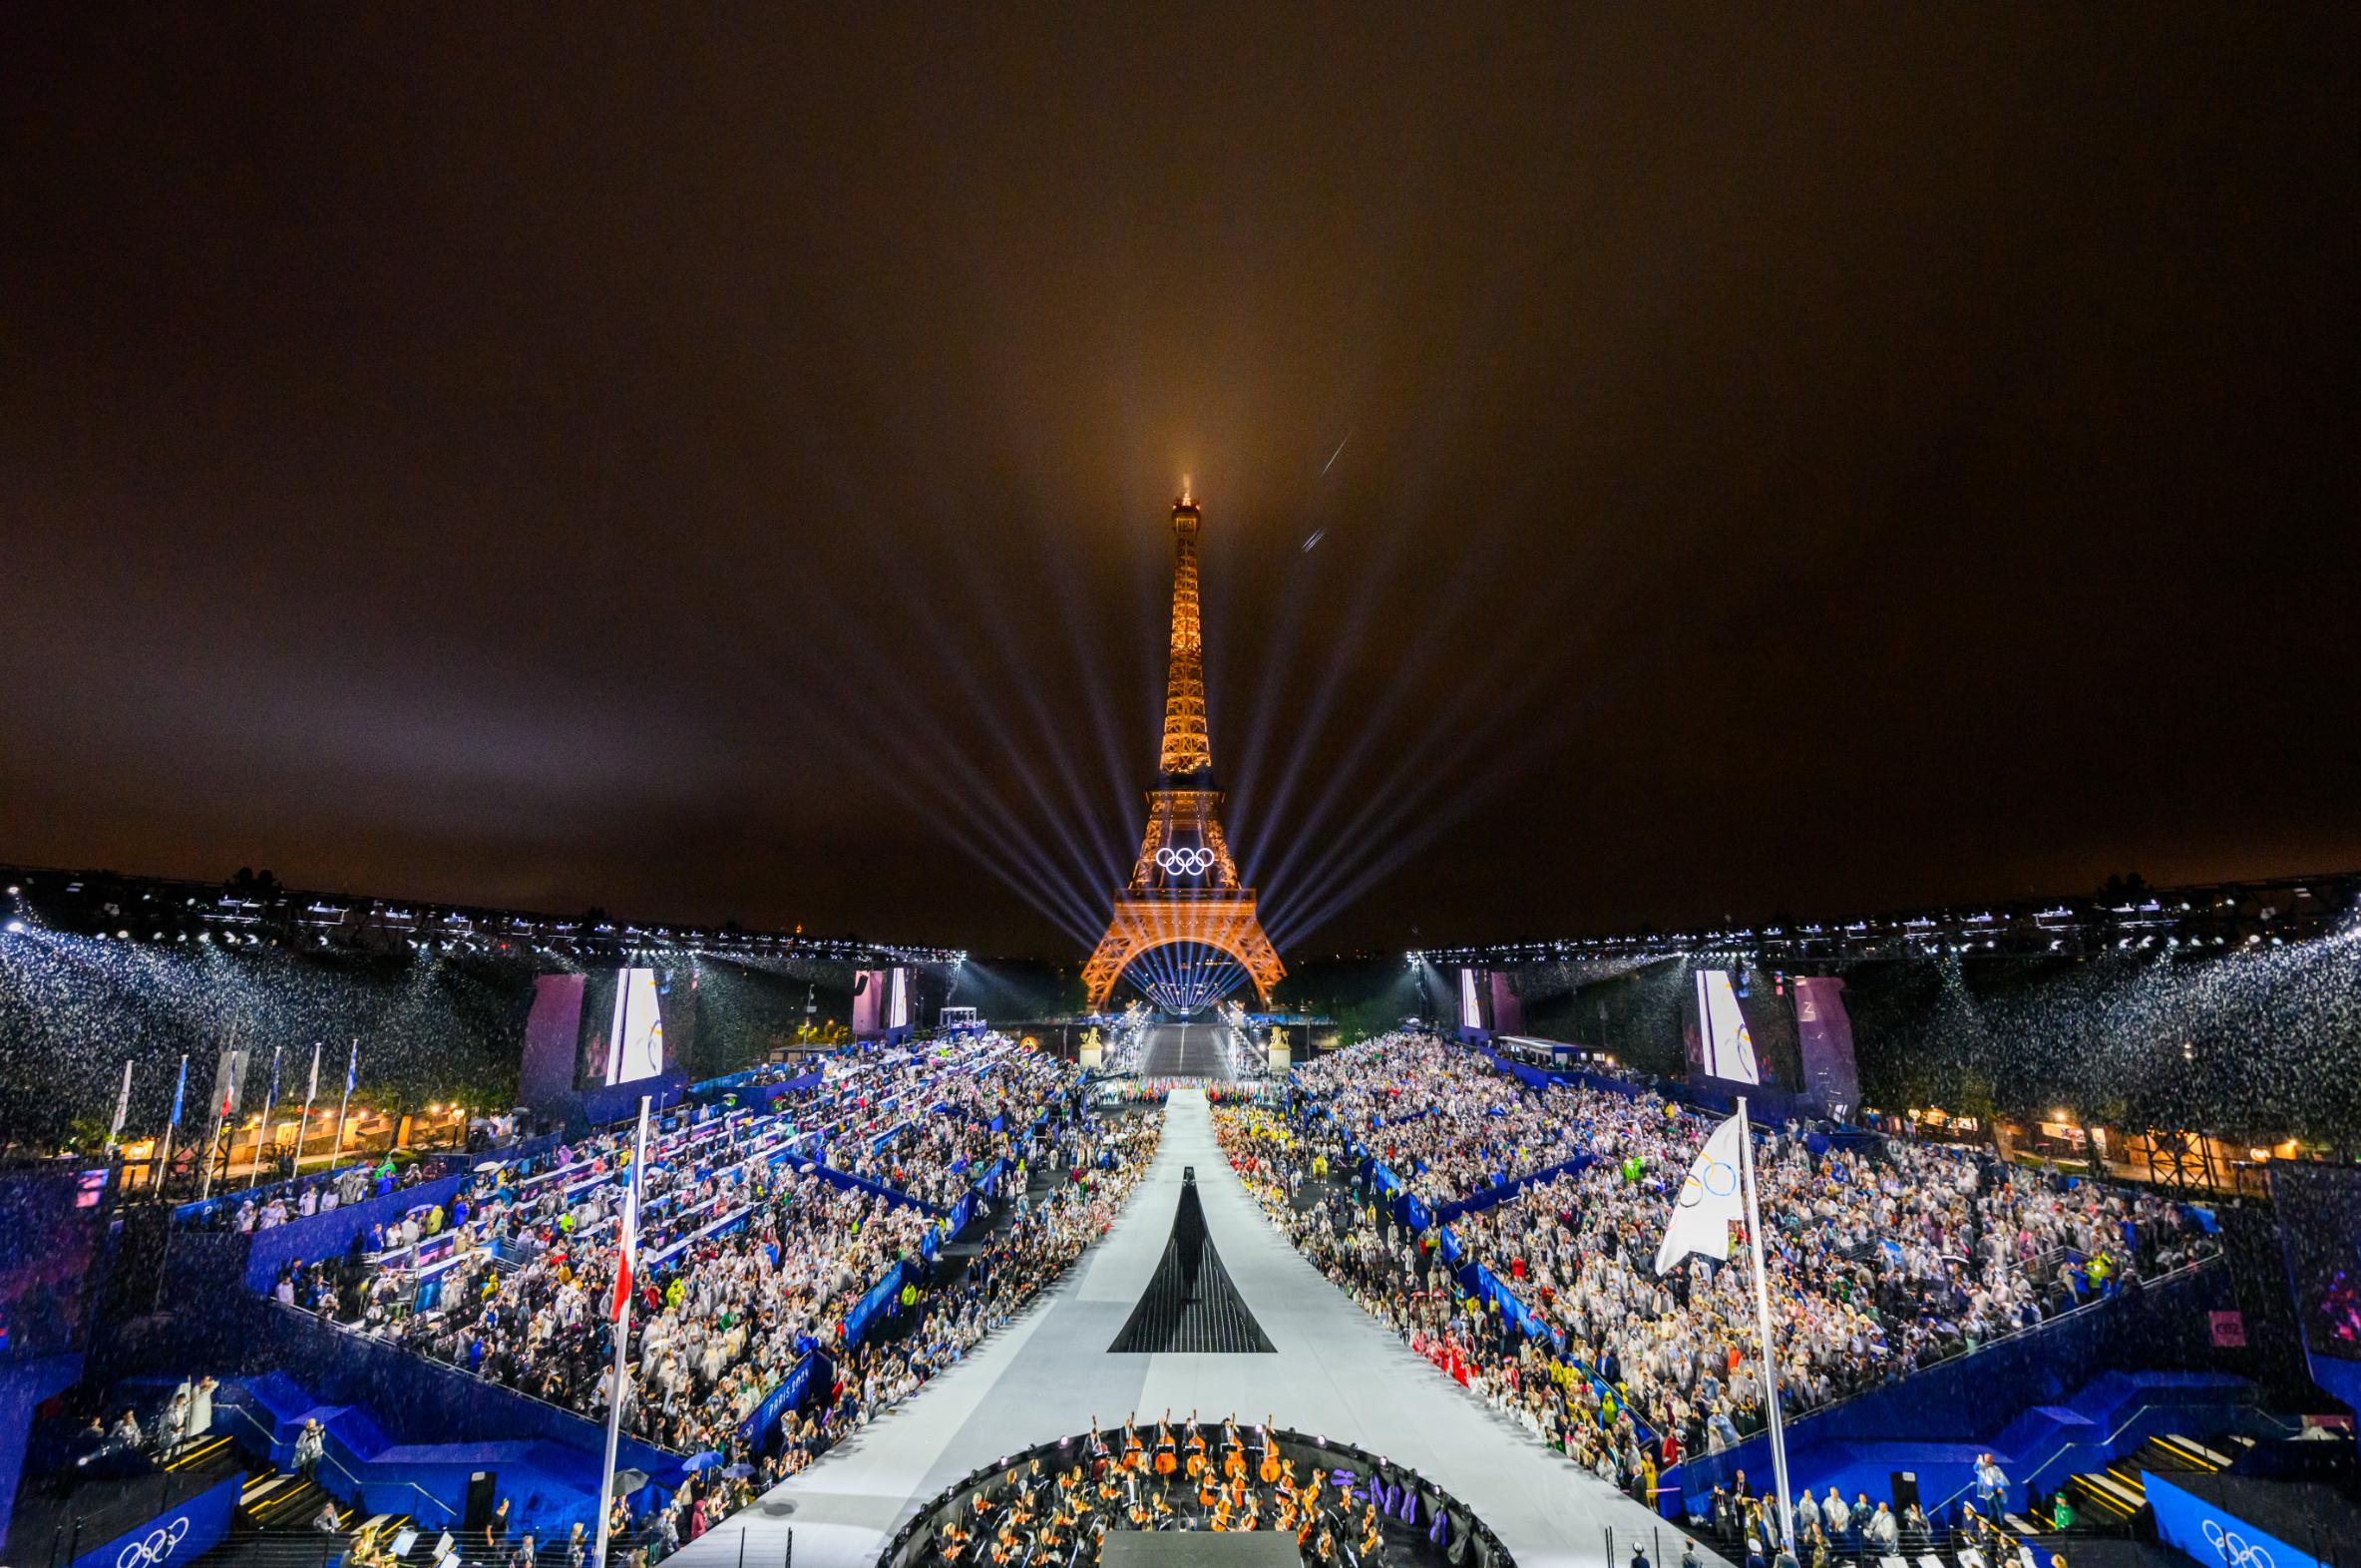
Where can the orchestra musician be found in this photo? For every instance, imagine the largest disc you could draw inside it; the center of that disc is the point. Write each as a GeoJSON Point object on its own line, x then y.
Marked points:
{"type": "Point", "coordinates": [1196, 1445]}
{"type": "Point", "coordinates": [1233, 1451]}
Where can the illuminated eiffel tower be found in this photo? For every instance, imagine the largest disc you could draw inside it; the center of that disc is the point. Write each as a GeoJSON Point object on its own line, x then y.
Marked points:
{"type": "Point", "coordinates": [1184, 888]}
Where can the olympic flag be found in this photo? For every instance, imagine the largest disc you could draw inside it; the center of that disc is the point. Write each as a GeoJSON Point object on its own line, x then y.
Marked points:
{"type": "Point", "coordinates": [1709, 1200]}
{"type": "Point", "coordinates": [1729, 1045]}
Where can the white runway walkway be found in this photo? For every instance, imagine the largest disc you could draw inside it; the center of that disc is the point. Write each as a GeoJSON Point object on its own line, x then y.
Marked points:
{"type": "Point", "coordinates": [1336, 1372]}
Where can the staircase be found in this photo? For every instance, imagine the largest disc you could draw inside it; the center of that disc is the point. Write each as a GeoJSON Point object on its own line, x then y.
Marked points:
{"type": "Point", "coordinates": [2115, 1495]}
{"type": "Point", "coordinates": [273, 1526]}
{"type": "Point", "coordinates": [276, 1500]}
{"type": "Point", "coordinates": [199, 1453]}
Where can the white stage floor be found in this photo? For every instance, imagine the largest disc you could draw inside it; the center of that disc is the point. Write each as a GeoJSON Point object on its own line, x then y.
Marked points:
{"type": "Point", "coordinates": [1337, 1373]}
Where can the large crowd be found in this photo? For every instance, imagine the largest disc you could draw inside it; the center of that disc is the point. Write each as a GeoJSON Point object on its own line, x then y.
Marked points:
{"type": "Point", "coordinates": [1438, 1116]}
{"type": "Point", "coordinates": [762, 1230]}
{"type": "Point", "coordinates": [1882, 1257]}
{"type": "Point", "coordinates": [1072, 1181]}
{"type": "Point", "coordinates": [752, 1255]}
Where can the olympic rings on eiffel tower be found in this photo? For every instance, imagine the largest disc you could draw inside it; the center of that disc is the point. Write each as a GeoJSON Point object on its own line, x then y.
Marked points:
{"type": "Point", "coordinates": [1185, 862]}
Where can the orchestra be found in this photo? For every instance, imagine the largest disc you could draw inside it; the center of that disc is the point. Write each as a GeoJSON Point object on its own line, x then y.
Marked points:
{"type": "Point", "coordinates": [1032, 1517]}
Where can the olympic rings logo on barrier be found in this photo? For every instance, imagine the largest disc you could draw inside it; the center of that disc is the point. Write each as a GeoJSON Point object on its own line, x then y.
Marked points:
{"type": "Point", "coordinates": [1185, 862]}
{"type": "Point", "coordinates": [2236, 1553]}
{"type": "Point", "coordinates": [156, 1547]}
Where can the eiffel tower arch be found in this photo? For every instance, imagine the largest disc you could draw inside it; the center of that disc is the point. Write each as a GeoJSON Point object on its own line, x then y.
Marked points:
{"type": "Point", "coordinates": [1184, 886]}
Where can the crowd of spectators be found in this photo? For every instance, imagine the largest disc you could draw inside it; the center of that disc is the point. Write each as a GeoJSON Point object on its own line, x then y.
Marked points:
{"type": "Point", "coordinates": [1076, 1176]}
{"type": "Point", "coordinates": [267, 1208]}
{"type": "Point", "coordinates": [1883, 1257]}
{"type": "Point", "coordinates": [771, 1255]}
{"type": "Point", "coordinates": [1439, 1116]}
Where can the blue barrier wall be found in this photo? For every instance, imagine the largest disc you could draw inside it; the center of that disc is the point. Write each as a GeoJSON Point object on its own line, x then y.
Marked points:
{"type": "Point", "coordinates": [23, 1385]}
{"type": "Point", "coordinates": [2210, 1533]}
{"type": "Point", "coordinates": [369, 1394]}
{"type": "Point", "coordinates": [205, 1210]}
{"type": "Point", "coordinates": [177, 1535]}
{"type": "Point", "coordinates": [850, 1182]}
{"type": "Point", "coordinates": [612, 1103]}
{"type": "Point", "coordinates": [754, 1096]}
{"type": "Point", "coordinates": [321, 1235]}
{"type": "Point", "coordinates": [878, 1300]}
{"type": "Point", "coordinates": [1509, 1189]}
{"type": "Point", "coordinates": [416, 1399]}
{"type": "Point", "coordinates": [786, 1397]}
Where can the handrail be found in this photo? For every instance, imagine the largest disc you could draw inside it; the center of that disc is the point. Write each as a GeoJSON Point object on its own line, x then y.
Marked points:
{"type": "Point", "coordinates": [269, 1443]}
{"type": "Point", "coordinates": [2115, 1436]}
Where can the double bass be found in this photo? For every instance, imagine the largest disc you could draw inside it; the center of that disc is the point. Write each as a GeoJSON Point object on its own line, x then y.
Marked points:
{"type": "Point", "coordinates": [1268, 1469]}
{"type": "Point", "coordinates": [1196, 1465]}
{"type": "Point", "coordinates": [1167, 1459]}
{"type": "Point", "coordinates": [1233, 1451]}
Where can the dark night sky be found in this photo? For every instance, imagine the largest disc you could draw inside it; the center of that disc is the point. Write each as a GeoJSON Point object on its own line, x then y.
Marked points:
{"type": "Point", "coordinates": [716, 468]}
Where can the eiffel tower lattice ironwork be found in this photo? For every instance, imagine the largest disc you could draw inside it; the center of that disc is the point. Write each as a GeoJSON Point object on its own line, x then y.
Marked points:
{"type": "Point", "coordinates": [1184, 887]}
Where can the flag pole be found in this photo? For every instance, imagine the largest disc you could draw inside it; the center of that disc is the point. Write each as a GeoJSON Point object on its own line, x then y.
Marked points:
{"type": "Point", "coordinates": [309, 1094]}
{"type": "Point", "coordinates": [627, 1244]}
{"type": "Point", "coordinates": [164, 1161]}
{"type": "Point", "coordinates": [269, 1104]}
{"type": "Point", "coordinates": [1779, 1443]}
{"type": "Point", "coordinates": [122, 1109]}
{"type": "Point", "coordinates": [230, 1086]}
{"type": "Point", "coordinates": [352, 1065]}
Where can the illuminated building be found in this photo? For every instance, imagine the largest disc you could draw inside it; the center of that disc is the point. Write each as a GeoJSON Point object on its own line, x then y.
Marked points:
{"type": "Point", "coordinates": [1184, 887]}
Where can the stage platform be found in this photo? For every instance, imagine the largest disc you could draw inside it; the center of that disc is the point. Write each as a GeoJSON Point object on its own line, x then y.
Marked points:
{"type": "Point", "coordinates": [1198, 1549]}
{"type": "Point", "coordinates": [1334, 1369]}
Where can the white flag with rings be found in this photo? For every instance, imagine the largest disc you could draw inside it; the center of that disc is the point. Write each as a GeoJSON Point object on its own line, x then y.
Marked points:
{"type": "Point", "coordinates": [1708, 1201]}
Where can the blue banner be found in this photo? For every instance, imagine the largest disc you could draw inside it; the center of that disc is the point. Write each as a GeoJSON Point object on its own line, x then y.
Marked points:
{"type": "Point", "coordinates": [879, 1298]}
{"type": "Point", "coordinates": [1504, 1191]}
{"type": "Point", "coordinates": [786, 1397]}
{"type": "Point", "coordinates": [2210, 1533]}
{"type": "Point", "coordinates": [894, 1195]}
{"type": "Point", "coordinates": [178, 1534]}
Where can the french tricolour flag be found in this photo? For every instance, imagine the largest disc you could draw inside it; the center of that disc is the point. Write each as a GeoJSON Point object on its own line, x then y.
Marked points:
{"type": "Point", "coordinates": [626, 1256]}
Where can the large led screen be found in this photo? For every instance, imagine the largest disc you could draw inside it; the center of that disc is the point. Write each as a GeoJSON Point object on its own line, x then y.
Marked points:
{"type": "Point", "coordinates": [634, 1025]}
{"type": "Point", "coordinates": [1728, 1047]}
